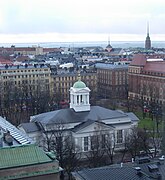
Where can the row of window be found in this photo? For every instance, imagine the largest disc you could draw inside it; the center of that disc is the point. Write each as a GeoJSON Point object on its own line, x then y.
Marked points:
{"type": "Point", "coordinates": [25, 70]}
{"type": "Point", "coordinates": [93, 141]}
{"type": "Point", "coordinates": [74, 78]}
{"type": "Point", "coordinates": [26, 82]}
{"type": "Point", "coordinates": [26, 76]}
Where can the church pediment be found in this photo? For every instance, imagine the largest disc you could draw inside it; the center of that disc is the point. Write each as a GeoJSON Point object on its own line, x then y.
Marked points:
{"type": "Point", "coordinates": [90, 126]}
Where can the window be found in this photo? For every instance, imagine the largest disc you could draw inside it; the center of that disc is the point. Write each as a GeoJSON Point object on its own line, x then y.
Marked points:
{"type": "Point", "coordinates": [119, 136]}
{"type": "Point", "coordinates": [94, 142]}
{"type": "Point", "coordinates": [86, 143]}
{"type": "Point", "coordinates": [103, 138]}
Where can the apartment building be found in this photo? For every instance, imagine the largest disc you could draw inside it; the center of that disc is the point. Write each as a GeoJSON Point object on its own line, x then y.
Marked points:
{"type": "Point", "coordinates": [147, 78]}
{"type": "Point", "coordinates": [29, 76]}
{"type": "Point", "coordinates": [112, 80]}
{"type": "Point", "coordinates": [64, 80]}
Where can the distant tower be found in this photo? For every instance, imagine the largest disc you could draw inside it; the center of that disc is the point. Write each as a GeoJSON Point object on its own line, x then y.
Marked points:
{"type": "Point", "coordinates": [148, 41]}
{"type": "Point", "coordinates": [109, 47]}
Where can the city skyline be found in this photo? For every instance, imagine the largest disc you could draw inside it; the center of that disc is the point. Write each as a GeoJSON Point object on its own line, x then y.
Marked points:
{"type": "Point", "coordinates": [75, 21]}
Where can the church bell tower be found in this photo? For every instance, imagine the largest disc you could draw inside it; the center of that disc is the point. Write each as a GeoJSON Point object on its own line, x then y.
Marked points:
{"type": "Point", "coordinates": [79, 96]}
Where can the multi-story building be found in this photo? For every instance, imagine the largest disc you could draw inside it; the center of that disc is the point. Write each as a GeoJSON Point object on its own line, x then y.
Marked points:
{"type": "Point", "coordinates": [34, 50]}
{"type": "Point", "coordinates": [64, 80]}
{"type": "Point", "coordinates": [112, 80]}
{"type": "Point", "coordinates": [147, 78]}
{"type": "Point", "coordinates": [31, 76]}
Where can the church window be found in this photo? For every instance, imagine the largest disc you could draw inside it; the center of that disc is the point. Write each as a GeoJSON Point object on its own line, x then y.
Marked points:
{"type": "Point", "coordinates": [94, 142]}
{"type": "Point", "coordinates": [103, 140]}
{"type": "Point", "coordinates": [86, 143]}
{"type": "Point", "coordinates": [119, 136]}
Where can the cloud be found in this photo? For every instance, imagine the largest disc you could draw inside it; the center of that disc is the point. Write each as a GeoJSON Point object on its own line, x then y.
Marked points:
{"type": "Point", "coordinates": [78, 17]}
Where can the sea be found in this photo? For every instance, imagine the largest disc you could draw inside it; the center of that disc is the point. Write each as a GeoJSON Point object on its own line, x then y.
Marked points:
{"type": "Point", "coordinates": [115, 44]}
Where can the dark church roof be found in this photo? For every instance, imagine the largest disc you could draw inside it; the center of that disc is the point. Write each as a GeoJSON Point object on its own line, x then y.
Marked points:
{"type": "Point", "coordinates": [70, 116]}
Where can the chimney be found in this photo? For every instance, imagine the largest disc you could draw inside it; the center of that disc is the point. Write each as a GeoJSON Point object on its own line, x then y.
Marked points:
{"type": "Point", "coordinates": [138, 171]}
{"type": "Point", "coordinates": [8, 138]}
{"type": "Point", "coordinates": [121, 164]}
{"type": "Point", "coordinates": [132, 160]}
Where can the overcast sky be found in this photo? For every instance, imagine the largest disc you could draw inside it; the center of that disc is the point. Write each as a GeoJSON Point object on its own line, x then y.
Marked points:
{"type": "Point", "coordinates": [80, 20]}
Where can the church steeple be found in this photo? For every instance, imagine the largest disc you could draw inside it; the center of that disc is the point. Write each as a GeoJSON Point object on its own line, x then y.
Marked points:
{"type": "Point", "coordinates": [148, 41]}
{"type": "Point", "coordinates": [109, 47]}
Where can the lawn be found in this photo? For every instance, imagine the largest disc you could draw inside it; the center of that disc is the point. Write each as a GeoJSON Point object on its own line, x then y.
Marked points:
{"type": "Point", "coordinates": [147, 122]}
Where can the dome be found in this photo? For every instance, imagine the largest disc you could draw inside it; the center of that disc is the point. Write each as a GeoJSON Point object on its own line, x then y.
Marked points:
{"type": "Point", "coordinates": [79, 84]}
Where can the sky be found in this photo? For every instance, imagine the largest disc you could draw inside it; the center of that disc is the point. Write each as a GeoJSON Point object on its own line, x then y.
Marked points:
{"type": "Point", "coordinates": [24, 21]}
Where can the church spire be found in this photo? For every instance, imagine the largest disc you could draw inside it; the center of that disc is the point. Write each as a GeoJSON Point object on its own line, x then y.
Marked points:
{"type": "Point", "coordinates": [147, 28]}
{"type": "Point", "coordinates": [148, 41]}
{"type": "Point", "coordinates": [109, 47]}
{"type": "Point", "coordinates": [108, 39]}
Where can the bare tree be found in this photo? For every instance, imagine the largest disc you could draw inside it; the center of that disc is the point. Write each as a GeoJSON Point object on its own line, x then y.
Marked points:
{"type": "Point", "coordinates": [96, 154]}
{"type": "Point", "coordinates": [61, 141]}
{"type": "Point", "coordinates": [110, 143]}
{"type": "Point", "coordinates": [137, 141]}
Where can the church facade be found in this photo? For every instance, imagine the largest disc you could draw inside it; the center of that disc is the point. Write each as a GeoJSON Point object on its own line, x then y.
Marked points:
{"type": "Point", "coordinates": [82, 121]}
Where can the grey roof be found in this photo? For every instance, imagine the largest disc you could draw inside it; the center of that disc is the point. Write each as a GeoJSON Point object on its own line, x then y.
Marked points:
{"type": "Point", "coordinates": [108, 173]}
{"type": "Point", "coordinates": [110, 66]}
{"type": "Point", "coordinates": [132, 116]}
{"type": "Point", "coordinates": [115, 51]}
{"type": "Point", "coordinates": [70, 116]}
{"type": "Point", "coordinates": [29, 127]}
{"type": "Point", "coordinates": [148, 171]}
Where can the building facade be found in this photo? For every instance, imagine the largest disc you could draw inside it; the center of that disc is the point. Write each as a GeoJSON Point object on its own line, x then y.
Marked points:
{"type": "Point", "coordinates": [27, 75]}
{"type": "Point", "coordinates": [147, 79]}
{"type": "Point", "coordinates": [112, 80]}
{"type": "Point", "coordinates": [62, 82]}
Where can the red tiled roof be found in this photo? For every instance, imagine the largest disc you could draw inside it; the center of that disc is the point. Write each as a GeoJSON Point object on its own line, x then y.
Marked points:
{"type": "Point", "coordinates": [139, 60]}
{"type": "Point", "coordinates": [52, 50]}
{"type": "Point", "coordinates": [5, 61]}
{"type": "Point", "coordinates": [155, 66]}
{"type": "Point", "coordinates": [25, 49]}
{"type": "Point", "coordinates": [22, 58]}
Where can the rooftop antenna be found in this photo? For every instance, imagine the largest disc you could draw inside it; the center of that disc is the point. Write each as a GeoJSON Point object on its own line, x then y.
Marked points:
{"type": "Point", "coordinates": [79, 76]}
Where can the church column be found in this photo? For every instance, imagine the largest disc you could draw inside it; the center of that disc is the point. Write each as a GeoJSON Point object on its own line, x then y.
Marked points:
{"type": "Point", "coordinates": [71, 100]}
{"type": "Point", "coordinates": [75, 100]}
{"type": "Point", "coordinates": [83, 97]}
{"type": "Point", "coordinates": [86, 99]}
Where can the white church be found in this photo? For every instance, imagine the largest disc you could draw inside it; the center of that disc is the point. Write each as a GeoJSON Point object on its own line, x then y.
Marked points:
{"type": "Point", "coordinates": [82, 120]}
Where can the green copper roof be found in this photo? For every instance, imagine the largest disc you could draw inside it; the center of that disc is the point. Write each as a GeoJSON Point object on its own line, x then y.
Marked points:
{"type": "Point", "coordinates": [22, 155]}
{"type": "Point", "coordinates": [79, 84]}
